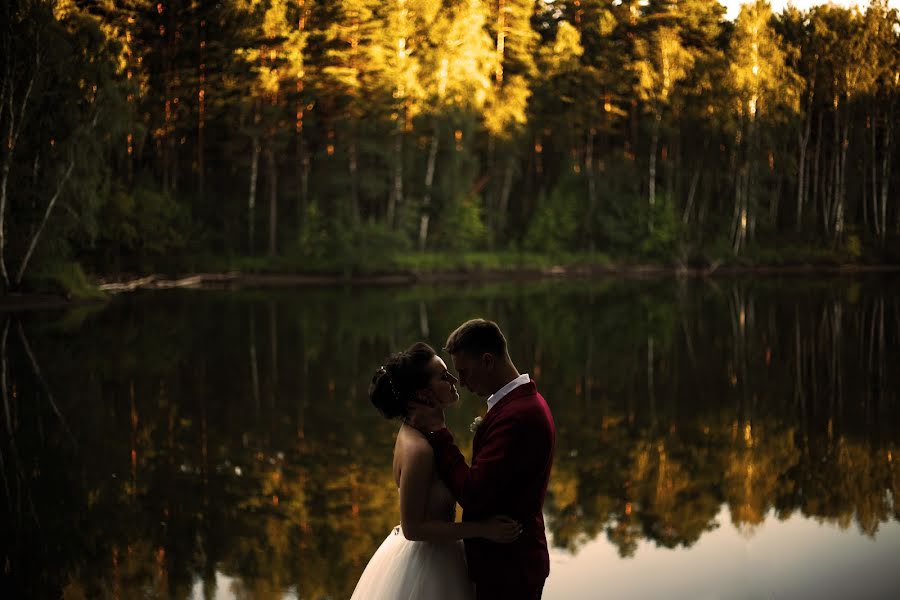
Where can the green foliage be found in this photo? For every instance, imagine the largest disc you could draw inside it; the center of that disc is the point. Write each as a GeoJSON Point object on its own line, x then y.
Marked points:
{"type": "Point", "coordinates": [142, 227]}
{"type": "Point", "coordinates": [556, 221]}
{"type": "Point", "coordinates": [546, 116]}
{"type": "Point", "coordinates": [461, 227]}
{"type": "Point", "coordinates": [437, 262]}
{"type": "Point", "coordinates": [65, 278]}
{"type": "Point", "coordinates": [62, 107]}
{"type": "Point", "coordinates": [314, 238]}
{"type": "Point", "coordinates": [369, 245]}
{"type": "Point", "coordinates": [365, 247]}
{"type": "Point", "coordinates": [795, 255]}
{"type": "Point", "coordinates": [664, 234]}
{"type": "Point", "coordinates": [853, 246]}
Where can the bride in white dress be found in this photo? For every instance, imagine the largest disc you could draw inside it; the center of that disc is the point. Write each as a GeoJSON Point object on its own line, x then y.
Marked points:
{"type": "Point", "coordinates": [422, 558]}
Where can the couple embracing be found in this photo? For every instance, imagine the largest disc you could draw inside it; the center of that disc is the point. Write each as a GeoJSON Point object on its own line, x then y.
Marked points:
{"type": "Point", "coordinates": [499, 550]}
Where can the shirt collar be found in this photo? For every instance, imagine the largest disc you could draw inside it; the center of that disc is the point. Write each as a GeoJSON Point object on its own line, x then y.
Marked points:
{"type": "Point", "coordinates": [499, 394]}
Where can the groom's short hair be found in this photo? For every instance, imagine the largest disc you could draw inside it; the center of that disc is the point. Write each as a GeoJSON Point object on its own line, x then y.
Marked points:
{"type": "Point", "coordinates": [477, 337]}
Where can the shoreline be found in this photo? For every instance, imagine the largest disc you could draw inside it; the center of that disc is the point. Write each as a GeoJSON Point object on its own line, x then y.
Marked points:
{"type": "Point", "coordinates": [240, 280]}
{"type": "Point", "coordinates": [236, 280]}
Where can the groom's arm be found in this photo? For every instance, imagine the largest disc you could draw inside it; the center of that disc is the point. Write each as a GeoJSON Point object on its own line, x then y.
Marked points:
{"type": "Point", "coordinates": [507, 447]}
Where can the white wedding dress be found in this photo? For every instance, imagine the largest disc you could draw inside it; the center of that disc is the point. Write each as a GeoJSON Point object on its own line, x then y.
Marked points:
{"type": "Point", "coordinates": [404, 570]}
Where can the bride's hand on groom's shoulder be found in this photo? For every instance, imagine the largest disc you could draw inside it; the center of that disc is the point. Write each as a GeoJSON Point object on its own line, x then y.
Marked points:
{"type": "Point", "coordinates": [501, 529]}
{"type": "Point", "coordinates": [425, 417]}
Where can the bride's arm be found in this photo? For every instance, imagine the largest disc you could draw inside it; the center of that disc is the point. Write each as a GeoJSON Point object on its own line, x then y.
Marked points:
{"type": "Point", "coordinates": [416, 475]}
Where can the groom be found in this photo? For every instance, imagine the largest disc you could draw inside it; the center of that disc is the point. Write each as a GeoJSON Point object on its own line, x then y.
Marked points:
{"type": "Point", "coordinates": [511, 458]}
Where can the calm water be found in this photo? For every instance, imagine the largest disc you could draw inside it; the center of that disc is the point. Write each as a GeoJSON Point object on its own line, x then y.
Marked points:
{"type": "Point", "coordinates": [717, 439]}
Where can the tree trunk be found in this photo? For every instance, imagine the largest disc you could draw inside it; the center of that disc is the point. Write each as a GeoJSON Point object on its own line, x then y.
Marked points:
{"type": "Point", "coordinates": [836, 175]}
{"type": "Point", "coordinates": [801, 171]}
{"type": "Point", "coordinates": [751, 195]}
{"type": "Point", "coordinates": [503, 209]}
{"type": "Point", "coordinates": [15, 128]}
{"type": "Point", "coordinates": [40, 229]}
{"type": "Point", "coordinates": [492, 199]}
{"type": "Point", "coordinates": [501, 41]}
{"type": "Point", "coordinates": [166, 141]}
{"type": "Point", "coordinates": [131, 91]}
{"type": "Point", "coordinates": [776, 196]}
{"type": "Point", "coordinates": [740, 211]}
{"type": "Point", "coordinates": [674, 168]}
{"type": "Point", "coordinates": [886, 177]}
{"type": "Point", "coordinates": [831, 180]}
{"type": "Point", "coordinates": [654, 141]}
{"type": "Point", "coordinates": [429, 181]}
{"type": "Point", "coordinates": [302, 161]}
{"type": "Point", "coordinates": [748, 215]}
{"type": "Point", "coordinates": [874, 154]}
{"type": "Point", "coordinates": [4, 178]}
{"type": "Point", "coordinates": [695, 181]}
{"type": "Point", "coordinates": [353, 165]}
{"type": "Point", "coordinates": [592, 187]}
{"type": "Point", "coordinates": [816, 161]}
{"type": "Point", "coordinates": [490, 161]}
{"type": "Point", "coordinates": [842, 180]}
{"type": "Point", "coordinates": [273, 202]}
{"type": "Point", "coordinates": [302, 171]}
{"type": "Point", "coordinates": [395, 199]}
{"type": "Point", "coordinates": [201, 115]}
{"type": "Point", "coordinates": [251, 198]}
{"type": "Point", "coordinates": [173, 35]}
{"type": "Point", "coordinates": [303, 167]}
{"type": "Point", "coordinates": [692, 194]}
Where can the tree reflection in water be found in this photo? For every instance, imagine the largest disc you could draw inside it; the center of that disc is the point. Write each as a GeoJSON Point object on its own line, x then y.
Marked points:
{"type": "Point", "coordinates": [151, 444]}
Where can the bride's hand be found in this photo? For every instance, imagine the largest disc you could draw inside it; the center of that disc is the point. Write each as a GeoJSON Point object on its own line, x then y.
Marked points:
{"type": "Point", "coordinates": [501, 529]}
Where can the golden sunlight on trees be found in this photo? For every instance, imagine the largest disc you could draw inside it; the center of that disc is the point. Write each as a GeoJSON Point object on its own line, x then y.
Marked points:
{"type": "Point", "coordinates": [763, 88]}
{"type": "Point", "coordinates": [662, 63]}
{"type": "Point", "coordinates": [656, 131]}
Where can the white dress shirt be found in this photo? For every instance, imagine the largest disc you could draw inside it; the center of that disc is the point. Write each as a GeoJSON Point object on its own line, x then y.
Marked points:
{"type": "Point", "coordinates": [499, 394]}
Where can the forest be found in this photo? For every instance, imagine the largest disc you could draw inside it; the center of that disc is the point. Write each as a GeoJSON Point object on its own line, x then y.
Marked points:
{"type": "Point", "coordinates": [352, 136]}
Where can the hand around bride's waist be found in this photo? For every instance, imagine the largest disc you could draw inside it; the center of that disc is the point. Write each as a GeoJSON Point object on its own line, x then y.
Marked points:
{"type": "Point", "coordinates": [500, 529]}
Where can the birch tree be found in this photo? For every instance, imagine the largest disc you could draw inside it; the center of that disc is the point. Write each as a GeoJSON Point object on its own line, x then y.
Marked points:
{"type": "Point", "coordinates": [762, 84]}
{"type": "Point", "coordinates": [458, 84]}
{"type": "Point", "coordinates": [662, 63]}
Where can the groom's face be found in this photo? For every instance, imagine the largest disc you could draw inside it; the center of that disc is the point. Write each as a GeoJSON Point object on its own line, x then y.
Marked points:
{"type": "Point", "coordinates": [472, 372]}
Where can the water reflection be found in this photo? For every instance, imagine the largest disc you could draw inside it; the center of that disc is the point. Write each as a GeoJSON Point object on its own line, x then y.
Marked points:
{"type": "Point", "coordinates": [791, 557]}
{"type": "Point", "coordinates": [200, 444]}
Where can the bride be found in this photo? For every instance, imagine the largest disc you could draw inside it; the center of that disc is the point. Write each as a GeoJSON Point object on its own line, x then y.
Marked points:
{"type": "Point", "coordinates": [423, 556]}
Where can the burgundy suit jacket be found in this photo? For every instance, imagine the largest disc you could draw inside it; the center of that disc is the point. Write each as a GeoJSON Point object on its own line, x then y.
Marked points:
{"type": "Point", "coordinates": [511, 459]}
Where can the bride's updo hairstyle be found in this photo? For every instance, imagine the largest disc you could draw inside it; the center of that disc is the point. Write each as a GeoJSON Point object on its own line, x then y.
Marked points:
{"type": "Point", "coordinates": [397, 381]}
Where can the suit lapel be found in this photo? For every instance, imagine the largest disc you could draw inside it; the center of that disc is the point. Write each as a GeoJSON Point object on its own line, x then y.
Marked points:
{"type": "Point", "coordinates": [523, 390]}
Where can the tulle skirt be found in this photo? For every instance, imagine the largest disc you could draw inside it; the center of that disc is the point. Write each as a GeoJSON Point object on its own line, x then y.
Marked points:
{"type": "Point", "coordinates": [405, 570]}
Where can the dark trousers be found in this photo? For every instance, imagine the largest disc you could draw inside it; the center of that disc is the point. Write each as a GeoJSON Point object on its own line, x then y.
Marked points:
{"type": "Point", "coordinates": [509, 590]}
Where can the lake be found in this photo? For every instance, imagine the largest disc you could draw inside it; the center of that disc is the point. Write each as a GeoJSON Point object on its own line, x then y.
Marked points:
{"type": "Point", "coordinates": [718, 438]}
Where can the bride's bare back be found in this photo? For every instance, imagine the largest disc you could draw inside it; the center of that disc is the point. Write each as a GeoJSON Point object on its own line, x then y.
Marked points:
{"type": "Point", "coordinates": [427, 560]}
{"type": "Point", "coordinates": [429, 490]}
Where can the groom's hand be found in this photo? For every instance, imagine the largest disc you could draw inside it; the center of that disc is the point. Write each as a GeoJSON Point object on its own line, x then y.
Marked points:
{"type": "Point", "coordinates": [425, 417]}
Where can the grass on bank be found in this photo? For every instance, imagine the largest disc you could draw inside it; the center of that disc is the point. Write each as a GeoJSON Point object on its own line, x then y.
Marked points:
{"type": "Point", "coordinates": [63, 278]}
{"type": "Point", "coordinates": [363, 264]}
{"type": "Point", "coordinates": [402, 262]}
{"type": "Point", "coordinates": [67, 278]}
